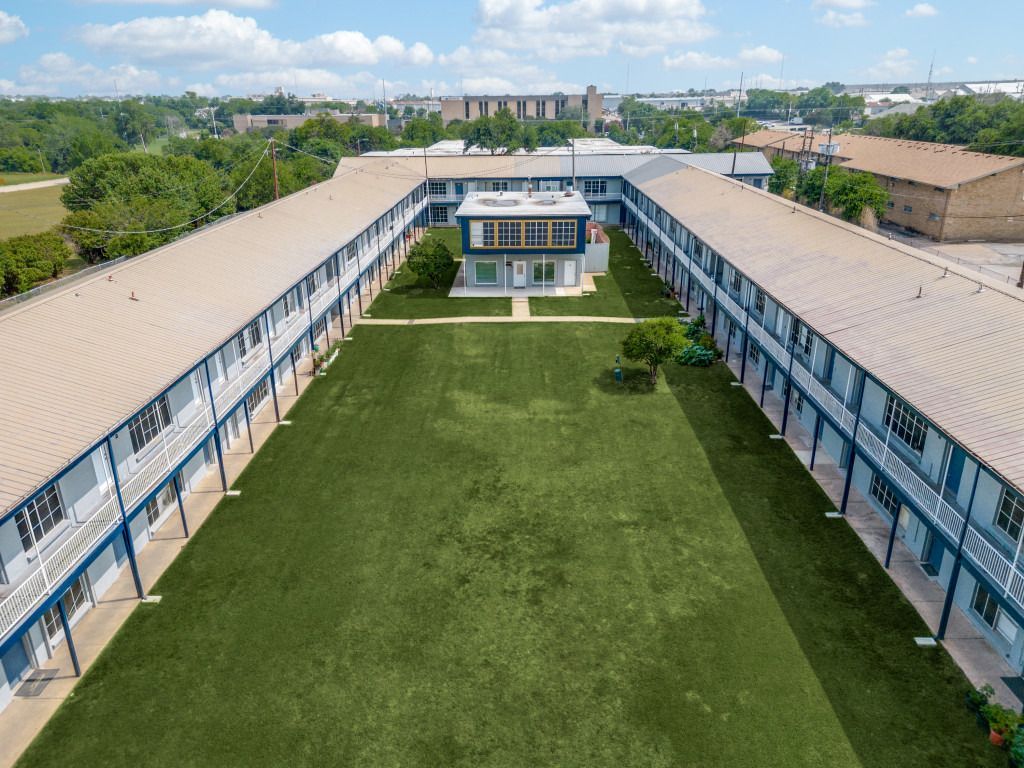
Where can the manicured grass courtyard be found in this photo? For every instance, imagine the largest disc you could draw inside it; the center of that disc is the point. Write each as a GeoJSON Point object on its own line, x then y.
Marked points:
{"type": "Point", "coordinates": [472, 548]}
{"type": "Point", "coordinates": [627, 290]}
{"type": "Point", "coordinates": [412, 297]}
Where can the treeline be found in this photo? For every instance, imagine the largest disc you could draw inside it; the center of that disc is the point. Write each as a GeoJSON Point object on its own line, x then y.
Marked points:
{"type": "Point", "coordinates": [980, 124]}
{"type": "Point", "coordinates": [840, 190]}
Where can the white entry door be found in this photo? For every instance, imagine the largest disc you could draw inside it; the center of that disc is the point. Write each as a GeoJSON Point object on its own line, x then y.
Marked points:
{"type": "Point", "coordinates": [519, 274]}
{"type": "Point", "coordinates": [570, 273]}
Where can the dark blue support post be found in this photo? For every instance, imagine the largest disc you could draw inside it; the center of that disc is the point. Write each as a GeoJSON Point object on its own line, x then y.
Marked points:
{"type": "Point", "coordinates": [728, 339]}
{"type": "Point", "coordinates": [248, 424]}
{"type": "Point", "coordinates": [853, 447]}
{"type": "Point", "coordinates": [359, 295]}
{"type": "Point", "coordinates": [892, 538]}
{"type": "Point", "coordinates": [714, 305]}
{"type": "Point", "coordinates": [181, 506]}
{"type": "Point", "coordinates": [295, 369]}
{"type": "Point", "coordinates": [270, 354]}
{"type": "Point", "coordinates": [947, 605]}
{"type": "Point", "coordinates": [309, 311]}
{"type": "Point", "coordinates": [67, 637]}
{"type": "Point", "coordinates": [216, 429]}
{"type": "Point", "coordinates": [764, 380]}
{"type": "Point", "coordinates": [817, 431]}
{"type": "Point", "coordinates": [746, 335]}
{"type": "Point", "coordinates": [129, 545]}
{"type": "Point", "coordinates": [689, 278]}
{"type": "Point", "coordinates": [789, 393]}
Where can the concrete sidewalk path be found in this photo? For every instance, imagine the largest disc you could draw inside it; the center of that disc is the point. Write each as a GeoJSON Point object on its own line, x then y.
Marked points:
{"type": "Point", "coordinates": [34, 185]}
{"type": "Point", "coordinates": [504, 319]}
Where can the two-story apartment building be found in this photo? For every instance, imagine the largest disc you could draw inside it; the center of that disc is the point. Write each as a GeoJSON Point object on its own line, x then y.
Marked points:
{"type": "Point", "coordinates": [940, 190]}
{"type": "Point", "coordinates": [864, 344]}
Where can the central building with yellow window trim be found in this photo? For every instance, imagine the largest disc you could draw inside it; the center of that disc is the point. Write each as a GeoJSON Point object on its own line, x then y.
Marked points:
{"type": "Point", "coordinates": [526, 243]}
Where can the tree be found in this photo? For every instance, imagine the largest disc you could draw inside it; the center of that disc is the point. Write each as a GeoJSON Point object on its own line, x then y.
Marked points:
{"type": "Point", "coordinates": [500, 134]}
{"type": "Point", "coordinates": [27, 260]}
{"type": "Point", "coordinates": [786, 172]}
{"type": "Point", "coordinates": [853, 192]}
{"type": "Point", "coordinates": [654, 342]}
{"type": "Point", "coordinates": [432, 259]}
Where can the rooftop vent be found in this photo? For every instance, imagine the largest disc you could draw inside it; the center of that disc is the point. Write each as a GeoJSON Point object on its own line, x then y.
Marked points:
{"type": "Point", "coordinates": [502, 203]}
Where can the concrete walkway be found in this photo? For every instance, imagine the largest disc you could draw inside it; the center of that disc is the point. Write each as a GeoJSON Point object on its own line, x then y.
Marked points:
{"type": "Point", "coordinates": [34, 185]}
{"type": "Point", "coordinates": [506, 319]}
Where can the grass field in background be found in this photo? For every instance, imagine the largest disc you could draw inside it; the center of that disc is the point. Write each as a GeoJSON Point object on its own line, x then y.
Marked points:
{"type": "Point", "coordinates": [9, 179]}
{"type": "Point", "coordinates": [30, 211]}
{"type": "Point", "coordinates": [472, 548]}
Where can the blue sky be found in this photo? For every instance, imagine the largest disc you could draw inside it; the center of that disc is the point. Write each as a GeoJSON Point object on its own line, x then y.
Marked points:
{"type": "Point", "coordinates": [343, 48]}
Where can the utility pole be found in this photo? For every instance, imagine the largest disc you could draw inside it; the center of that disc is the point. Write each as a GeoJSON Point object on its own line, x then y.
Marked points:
{"type": "Point", "coordinates": [572, 143]}
{"type": "Point", "coordinates": [739, 98]}
{"type": "Point", "coordinates": [273, 160]}
{"type": "Point", "coordinates": [828, 162]}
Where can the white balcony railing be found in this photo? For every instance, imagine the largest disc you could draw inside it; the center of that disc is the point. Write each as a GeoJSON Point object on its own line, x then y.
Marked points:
{"type": "Point", "coordinates": [286, 339]}
{"type": "Point", "coordinates": [327, 295]}
{"type": "Point", "coordinates": [239, 385]}
{"type": "Point", "coordinates": [57, 564]}
{"type": "Point", "coordinates": [165, 457]}
{"type": "Point", "coordinates": [768, 342]}
{"type": "Point", "coordinates": [824, 397]}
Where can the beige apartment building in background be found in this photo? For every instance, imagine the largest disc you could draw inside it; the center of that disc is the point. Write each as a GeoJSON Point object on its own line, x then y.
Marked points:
{"type": "Point", "coordinates": [243, 123]}
{"type": "Point", "coordinates": [548, 107]}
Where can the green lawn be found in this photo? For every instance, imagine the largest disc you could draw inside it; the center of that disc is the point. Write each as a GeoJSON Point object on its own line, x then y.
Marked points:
{"type": "Point", "coordinates": [29, 211]}
{"type": "Point", "coordinates": [472, 548]}
{"type": "Point", "coordinates": [627, 290]}
{"type": "Point", "coordinates": [410, 296]}
{"type": "Point", "coordinates": [8, 178]}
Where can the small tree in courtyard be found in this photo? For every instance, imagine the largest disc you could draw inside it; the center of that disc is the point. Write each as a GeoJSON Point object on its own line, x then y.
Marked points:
{"type": "Point", "coordinates": [432, 259]}
{"type": "Point", "coordinates": [654, 342]}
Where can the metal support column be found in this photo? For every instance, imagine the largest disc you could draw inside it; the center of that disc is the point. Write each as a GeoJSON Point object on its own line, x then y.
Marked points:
{"type": "Point", "coordinates": [67, 637]}
{"type": "Point", "coordinates": [764, 380]}
{"type": "Point", "coordinates": [128, 543]}
{"type": "Point", "coordinates": [817, 431]}
{"type": "Point", "coordinates": [789, 394]}
{"type": "Point", "coordinates": [947, 605]}
{"type": "Point", "coordinates": [181, 506]}
{"type": "Point", "coordinates": [892, 539]}
{"type": "Point", "coordinates": [853, 447]}
{"type": "Point", "coordinates": [248, 424]}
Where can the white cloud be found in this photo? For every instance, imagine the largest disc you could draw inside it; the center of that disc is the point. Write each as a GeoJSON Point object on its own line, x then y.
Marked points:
{"type": "Point", "coordinates": [762, 54]}
{"type": "Point", "coordinates": [574, 28]}
{"type": "Point", "coordinates": [258, 4]}
{"type": "Point", "coordinates": [11, 28]}
{"type": "Point", "coordinates": [55, 73]}
{"type": "Point", "coordinates": [894, 64]}
{"type": "Point", "coordinates": [299, 79]}
{"type": "Point", "coordinates": [972, 59]}
{"type": "Point", "coordinates": [840, 20]}
{"type": "Point", "coordinates": [511, 73]}
{"type": "Point", "coordinates": [849, 5]}
{"type": "Point", "coordinates": [922, 10]}
{"type": "Point", "coordinates": [220, 39]}
{"type": "Point", "coordinates": [695, 60]}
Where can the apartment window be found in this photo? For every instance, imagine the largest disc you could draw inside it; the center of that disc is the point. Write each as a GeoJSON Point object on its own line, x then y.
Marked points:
{"type": "Point", "coordinates": [933, 217]}
{"type": "Point", "coordinates": [73, 600]}
{"type": "Point", "coordinates": [39, 517]}
{"type": "Point", "coordinates": [156, 506]}
{"type": "Point", "coordinates": [258, 397]}
{"type": "Point", "coordinates": [438, 214]}
{"type": "Point", "coordinates": [351, 252]}
{"type": "Point", "coordinates": [883, 495]}
{"type": "Point", "coordinates": [250, 338]}
{"type": "Point", "coordinates": [754, 354]}
{"type": "Point", "coordinates": [563, 233]}
{"type": "Point", "coordinates": [736, 282]}
{"type": "Point", "coordinates": [536, 234]}
{"type": "Point", "coordinates": [148, 425]}
{"type": "Point", "coordinates": [313, 283]}
{"type": "Point", "coordinates": [499, 186]}
{"type": "Point", "coordinates": [595, 187]}
{"type": "Point", "coordinates": [1010, 517]}
{"type": "Point", "coordinates": [988, 609]}
{"type": "Point", "coordinates": [799, 403]}
{"type": "Point", "coordinates": [320, 327]}
{"type": "Point", "coordinates": [801, 338]}
{"type": "Point", "coordinates": [486, 272]}
{"type": "Point", "coordinates": [509, 234]}
{"type": "Point", "coordinates": [908, 209]}
{"type": "Point", "coordinates": [544, 271]}
{"type": "Point", "coordinates": [890, 204]}
{"type": "Point", "coordinates": [481, 234]}
{"type": "Point", "coordinates": [905, 424]}
{"type": "Point", "coordinates": [466, 105]}
{"type": "Point", "coordinates": [759, 301]}
{"type": "Point", "coordinates": [438, 188]}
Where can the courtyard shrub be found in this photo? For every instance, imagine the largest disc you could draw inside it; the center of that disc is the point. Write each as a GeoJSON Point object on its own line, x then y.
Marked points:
{"type": "Point", "coordinates": [431, 258]}
{"type": "Point", "coordinates": [654, 342]}
{"type": "Point", "coordinates": [696, 355]}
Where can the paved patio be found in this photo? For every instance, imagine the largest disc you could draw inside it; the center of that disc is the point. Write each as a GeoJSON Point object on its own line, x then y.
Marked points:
{"type": "Point", "coordinates": [460, 290]}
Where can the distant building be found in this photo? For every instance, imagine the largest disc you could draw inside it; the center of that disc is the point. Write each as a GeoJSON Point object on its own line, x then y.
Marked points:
{"type": "Point", "coordinates": [940, 190]}
{"type": "Point", "coordinates": [548, 107]}
{"type": "Point", "coordinates": [244, 123]}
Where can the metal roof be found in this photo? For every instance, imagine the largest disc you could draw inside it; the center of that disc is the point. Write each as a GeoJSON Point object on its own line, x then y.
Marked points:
{"type": "Point", "coordinates": [79, 361]}
{"type": "Point", "coordinates": [951, 353]}
{"type": "Point", "coordinates": [941, 165]}
{"type": "Point", "coordinates": [523, 204]}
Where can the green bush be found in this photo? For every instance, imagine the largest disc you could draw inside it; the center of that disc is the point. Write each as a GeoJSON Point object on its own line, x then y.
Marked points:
{"type": "Point", "coordinates": [28, 260]}
{"type": "Point", "coordinates": [696, 328]}
{"type": "Point", "coordinates": [696, 355]}
{"type": "Point", "coordinates": [1002, 720]}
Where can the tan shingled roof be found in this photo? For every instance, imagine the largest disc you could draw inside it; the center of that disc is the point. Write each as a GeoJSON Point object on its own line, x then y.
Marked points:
{"type": "Point", "coordinates": [940, 165]}
{"type": "Point", "coordinates": [80, 360]}
{"type": "Point", "coordinates": [949, 353]}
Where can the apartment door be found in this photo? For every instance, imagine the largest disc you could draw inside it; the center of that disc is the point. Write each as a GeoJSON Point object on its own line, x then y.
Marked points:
{"type": "Point", "coordinates": [570, 273]}
{"type": "Point", "coordinates": [933, 552]}
{"type": "Point", "coordinates": [518, 274]}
